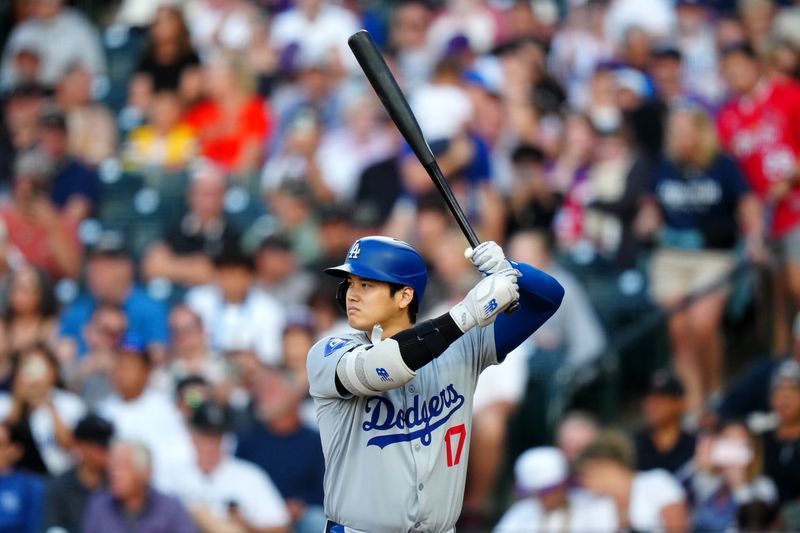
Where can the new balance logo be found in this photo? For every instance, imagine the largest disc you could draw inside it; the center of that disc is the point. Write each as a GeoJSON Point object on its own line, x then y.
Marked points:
{"type": "Point", "coordinates": [383, 374]}
{"type": "Point", "coordinates": [490, 307]}
{"type": "Point", "coordinates": [355, 250]}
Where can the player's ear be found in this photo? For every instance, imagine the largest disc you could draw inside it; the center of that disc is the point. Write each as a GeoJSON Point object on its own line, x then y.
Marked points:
{"type": "Point", "coordinates": [405, 297]}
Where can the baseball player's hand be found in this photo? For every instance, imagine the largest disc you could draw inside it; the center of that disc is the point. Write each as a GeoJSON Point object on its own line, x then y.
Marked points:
{"type": "Point", "coordinates": [487, 257]}
{"type": "Point", "coordinates": [487, 299]}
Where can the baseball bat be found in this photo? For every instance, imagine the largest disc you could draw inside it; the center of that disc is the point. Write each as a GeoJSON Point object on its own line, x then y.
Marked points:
{"type": "Point", "coordinates": [383, 82]}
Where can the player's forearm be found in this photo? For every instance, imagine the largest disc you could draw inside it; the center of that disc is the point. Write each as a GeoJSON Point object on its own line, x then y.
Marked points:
{"type": "Point", "coordinates": [540, 296]}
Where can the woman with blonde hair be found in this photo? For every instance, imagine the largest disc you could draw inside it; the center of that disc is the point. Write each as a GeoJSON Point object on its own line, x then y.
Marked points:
{"type": "Point", "coordinates": [699, 208]}
{"type": "Point", "coordinates": [233, 122]}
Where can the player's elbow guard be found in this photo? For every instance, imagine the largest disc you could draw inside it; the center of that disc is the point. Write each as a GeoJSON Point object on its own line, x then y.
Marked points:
{"type": "Point", "coordinates": [367, 370]}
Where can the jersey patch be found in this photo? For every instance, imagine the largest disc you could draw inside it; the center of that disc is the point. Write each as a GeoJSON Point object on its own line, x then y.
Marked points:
{"type": "Point", "coordinates": [421, 417]}
{"type": "Point", "coordinates": [334, 344]}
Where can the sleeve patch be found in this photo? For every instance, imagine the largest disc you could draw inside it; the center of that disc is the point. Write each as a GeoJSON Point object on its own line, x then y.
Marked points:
{"type": "Point", "coordinates": [334, 344]}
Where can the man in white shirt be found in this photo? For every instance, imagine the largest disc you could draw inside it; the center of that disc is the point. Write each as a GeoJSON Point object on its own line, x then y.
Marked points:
{"type": "Point", "coordinates": [318, 27]}
{"type": "Point", "coordinates": [237, 314]}
{"type": "Point", "coordinates": [222, 491]}
{"type": "Point", "coordinates": [549, 505]}
{"type": "Point", "coordinates": [62, 37]}
{"type": "Point", "coordinates": [143, 413]}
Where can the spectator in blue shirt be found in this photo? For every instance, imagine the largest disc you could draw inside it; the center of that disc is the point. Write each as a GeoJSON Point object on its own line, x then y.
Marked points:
{"type": "Point", "coordinates": [75, 189]}
{"type": "Point", "coordinates": [288, 452]}
{"type": "Point", "coordinates": [21, 494]}
{"type": "Point", "coordinates": [110, 279]}
{"type": "Point", "coordinates": [700, 206]}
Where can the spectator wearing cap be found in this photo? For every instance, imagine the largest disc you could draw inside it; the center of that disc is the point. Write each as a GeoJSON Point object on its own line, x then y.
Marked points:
{"type": "Point", "coordinates": [75, 187]}
{"type": "Point", "coordinates": [699, 208]}
{"type": "Point", "coordinates": [663, 443]}
{"type": "Point", "coordinates": [289, 453]}
{"type": "Point", "coordinates": [110, 272]}
{"type": "Point", "coordinates": [63, 36]}
{"type": "Point", "coordinates": [237, 313]}
{"type": "Point", "coordinates": [645, 501]}
{"type": "Point", "coordinates": [131, 502]}
{"type": "Point", "coordinates": [782, 444]}
{"type": "Point", "coordinates": [141, 412]}
{"type": "Point", "coordinates": [769, 162]}
{"type": "Point", "coordinates": [548, 504]}
{"type": "Point", "coordinates": [749, 394]}
{"type": "Point", "coordinates": [190, 393]}
{"type": "Point", "coordinates": [90, 375]}
{"type": "Point", "coordinates": [666, 70]}
{"type": "Point", "coordinates": [222, 491]}
{"type": "Point", "coordinates": [44, 237]}
{"type": "Point", "coordinates": [184, 254]}
{"type": "Point", "coordinates": [21, 493]}
{"type": "Point", "coordinates": [41, 411]}
{"type": "Point", "coordinates": [67, 495]}
{"type": "Point", "coordinates": [278, 273]}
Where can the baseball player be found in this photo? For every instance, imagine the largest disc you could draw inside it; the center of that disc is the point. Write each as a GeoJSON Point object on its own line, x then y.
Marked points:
{"type": "Point", "coordinates": [394, 401]}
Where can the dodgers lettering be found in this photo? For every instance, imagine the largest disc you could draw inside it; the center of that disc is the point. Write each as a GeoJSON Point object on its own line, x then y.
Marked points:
{"type": "Point", "coordinates": [431, 414]}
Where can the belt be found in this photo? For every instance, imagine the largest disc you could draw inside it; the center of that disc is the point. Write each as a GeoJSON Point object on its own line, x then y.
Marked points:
{"type": "Point", "coordinates": [333, 527]}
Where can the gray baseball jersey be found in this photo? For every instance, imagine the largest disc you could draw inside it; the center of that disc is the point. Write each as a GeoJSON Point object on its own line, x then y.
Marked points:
{"type": "Point", "coordinates": [397, 461]}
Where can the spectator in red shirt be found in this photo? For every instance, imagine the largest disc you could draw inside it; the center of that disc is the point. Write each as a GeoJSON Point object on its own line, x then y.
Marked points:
{"type": "Point", "coordinates": [44, 237]}
{"type": "Point", "coordinates": [233, 123]}
{"type": "Point", "coordinates": [760, 127]}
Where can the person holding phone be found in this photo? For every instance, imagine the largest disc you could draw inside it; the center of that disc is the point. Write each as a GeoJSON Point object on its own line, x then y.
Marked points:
{"type": "Point", "coordinates": [41, 234]}
{"type": "Point", "coordinates": [728, 476]}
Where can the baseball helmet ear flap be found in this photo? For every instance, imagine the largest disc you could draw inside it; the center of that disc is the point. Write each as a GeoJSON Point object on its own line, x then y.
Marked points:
{"type": "Point", "coordinates": [341, 295]}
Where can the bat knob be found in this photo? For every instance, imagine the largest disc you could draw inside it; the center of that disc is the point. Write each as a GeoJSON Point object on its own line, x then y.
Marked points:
{"type": "Point", "coordinates": [513, 308]}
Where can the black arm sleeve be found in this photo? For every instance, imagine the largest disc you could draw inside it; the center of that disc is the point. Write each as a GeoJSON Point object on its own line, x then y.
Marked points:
{"type": "Point", "coordinates": [427, 340]}
{"type": "Point", "coordinates": [421, 344]}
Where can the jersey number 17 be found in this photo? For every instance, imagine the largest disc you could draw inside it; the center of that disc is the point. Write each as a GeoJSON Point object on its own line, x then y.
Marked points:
{"type": "Point", "coordinates": [459, 431]}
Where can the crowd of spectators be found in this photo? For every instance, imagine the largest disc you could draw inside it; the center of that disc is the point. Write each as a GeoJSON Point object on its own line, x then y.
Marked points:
{"type": "Point", "coordinates": [175, 175]}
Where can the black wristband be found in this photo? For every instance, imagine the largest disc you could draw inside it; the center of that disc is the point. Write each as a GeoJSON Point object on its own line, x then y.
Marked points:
{"type": "Point", "coordinates": [426, 341]}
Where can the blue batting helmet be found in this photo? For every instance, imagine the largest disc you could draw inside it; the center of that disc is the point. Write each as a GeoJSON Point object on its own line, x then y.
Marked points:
{"type": "Point", "coordinates": [385, 259]}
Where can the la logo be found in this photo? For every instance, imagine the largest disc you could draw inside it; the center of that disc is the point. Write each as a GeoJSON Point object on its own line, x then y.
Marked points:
{"type": "Point", "coordinates": [355, 250]}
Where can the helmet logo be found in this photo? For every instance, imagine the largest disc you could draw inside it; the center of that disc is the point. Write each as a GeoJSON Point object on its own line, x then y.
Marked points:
{"type": "Point", "coordinates": [355, 250]}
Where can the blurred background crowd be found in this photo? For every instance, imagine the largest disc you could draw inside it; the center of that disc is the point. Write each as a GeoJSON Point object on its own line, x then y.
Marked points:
{"type": "Point", "coordinates": [176, 174]}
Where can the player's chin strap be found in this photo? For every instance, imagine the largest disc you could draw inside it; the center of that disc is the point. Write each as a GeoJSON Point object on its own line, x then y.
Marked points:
{"type": "Point", "coordinates": [391, 363]}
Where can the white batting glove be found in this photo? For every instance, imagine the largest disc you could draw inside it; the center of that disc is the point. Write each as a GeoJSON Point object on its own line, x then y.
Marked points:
{"type": "Point", "coordinates": [487, 257]}
{"type": "Point", "coordinates": [482, 304]}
